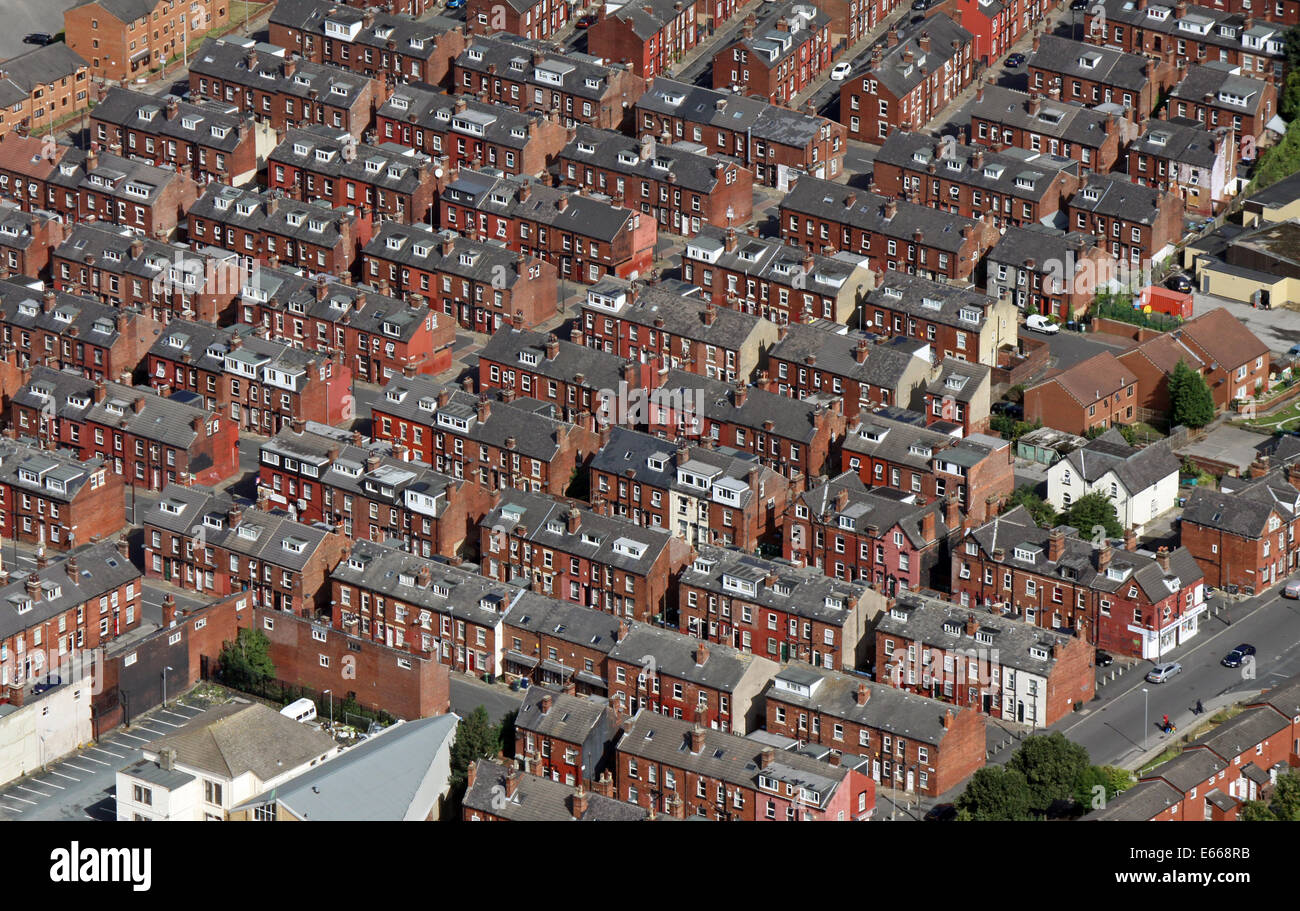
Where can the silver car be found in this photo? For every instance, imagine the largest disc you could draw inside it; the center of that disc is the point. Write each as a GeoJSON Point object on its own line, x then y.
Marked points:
{"type": "Point", "coordinates": [1162, 672]}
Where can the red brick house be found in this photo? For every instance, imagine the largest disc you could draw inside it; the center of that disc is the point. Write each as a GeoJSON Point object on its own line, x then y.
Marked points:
{"type": "Point", "coordinates": [1140, 225]}
{"type": "Point", "coordinates": [778, 57]}
{"type": "Point", "coordinates": [559, 644]}
{"type": "Point", "coordinates": [914, 743]}
{"type": "Point", "coordinates": [585, 238]}
{"type": "Point", "coordinates": [1094, 74]}
{"type": "Point", "coordinates": [995, 27]}
{"type": "Point", "coordinates": [1180, 155]}
{"type": "Point", "coordinates": [126, 40]}
{"type": "Point", "coordinates": [1098, 392]}
{"type": "Point", "coordinates": [53, 497]}
{"type": "Point", "coordinates": [957, 322]}
{"type": "Point", "coordinates": [534, 19]}
{"type": "Point", "coordinates": [1002, 667]}
{"type": "Point", "coordinates": [1002, 117]}
{"type": "Point", "coordinates": [1214, 95]}
{"type": "Point", "coordinates": [28, 240]}
{"type": "Point", "coordinates": [653, 34]}
{"type": "Point", "coordinates": [563, 736]}
{"type": "Point", "coordinates": [1120, 600]}
{"type": "Point", "coordinates": [1044, 270]}
{"type": "Point", "coordinates": [497, 792]}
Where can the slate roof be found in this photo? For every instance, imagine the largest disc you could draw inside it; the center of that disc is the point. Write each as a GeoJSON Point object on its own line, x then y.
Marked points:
{"type": "Point", "coordinates": [230, 740]}
{"type": "Point", "coordinates": [793, 419]}
{"type": "Point", "coordinates": [962, 380]}
{"type": "Point", "coordinates": [691, 167]}
{"type": "Point", "coordinates": [589, 629]}
{"type": "Point", "coordinates": [227, 59]}
{"type": "Point", "coordinates": [1113, 195]}
{"type": "Point", "coordinates": [713, 107]}
{"type": "Point", "coordinates": [805, 591]}
{"type": "Point", "coordinates": [937, 302]}
{"type": "Point", "coordinates": [360, 307]}
{"type": "Point", "coordinates": [900, 73]}
{"type": "Point", "coordinates": [517, 59]}
{"type": "Point", "coordinates": [1109, 65]}
{"type": "Point", "coordinates": [426, 585]}
{"type": "Point", "coordinates": [886, 360]}
{"type": "Point", "coordinates": [266, 536]}
{"type": "Point", "coordinates": [1178, 139]}
{"type": "Point", "coordinates": [1136, 469]}
{"type": "Point", "coordinates": [869, 508]}
{"type": "Point", "coordinates": [410, 37]}
{"type": "Point", "coordinates": [111, 176]}
{"type": "Point", "coordinates": [1062, 120]}
{"type": "Point", "coordinates": [646, 305]}
{"type": "Point", "coordinates": [379, 779]}
{"type": "Point", "coordinates": [599, 370]}
{"type": "Point", "coordinates": [1144, 801]}
{"type": "Point", "coordinates": [420, 247]}
{"type": "Point", "coordinates": [213, 124]}
{"type": "Point", "coordinates": [1228, 89]}
{"type": "Point", "coordinates": [539, 799]}
{"type": "Point", "coordinates": [676, 655]}
{"type": "Point", "coordinates": [646, 17]}
{"type": "Point", "coordinates": [110, 246]}
{"type": "Point", "coordinates": [387, 166]}
{"type": "Point", "coordinates": [929, 619]}
{"type": "Point", "coordinates": [168, 421]}
{"type": "Point", "coordinates": [570, 718]}
{"type": "Point", "coordinates": [1199, 23]}
{"type": "Point", "coordinates": [277, 363]}
{"type": "Point", "coordinates": [1285, 697]}
{"type": "Point", "coordinates": [503, 195]}
{"type": "Point", "coordinates": [1014, 172]}
{"type": "Point", "coordinates": [1243, 733]}
{"type": "Point", "coordinates": [773, 45]}
{"type": "Point", "coordinates": [16, 225]}
{"type": "Point", "coordinates": [770, 259]}
{"type": "Point", "coordinates": [58, 474]}
{"type": "Point", "coordinates": [461, 114]}
{"type": "Point", "coordinates": [866, 211]}
{"type": "Point", "coordinates": [31, 70]}
{"type": "Point", "coordinates": [887, 709]}
{"type": "Point", "coordinates": [126, 11]}
{"type": "Point", "coordinates": [271, 212]}
{"type": "Point", "coordinates": [1243, 507]}
{"type": "Point", "coordinates": [1045, 245]}
{"type": "Point", "coordinates": [95, 323]}
{"type": "Point", "coordinates": [100, 569]}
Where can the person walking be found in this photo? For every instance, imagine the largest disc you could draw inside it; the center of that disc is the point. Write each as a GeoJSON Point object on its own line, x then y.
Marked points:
{"type": "Point", "coordinates": [1200, 709]}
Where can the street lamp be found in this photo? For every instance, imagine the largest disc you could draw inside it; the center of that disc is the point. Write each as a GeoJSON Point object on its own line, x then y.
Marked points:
{"type": "Point", "coordinates": [330, 693]}
{"type": "Point", "coordinates": [165, 669]}
{"type": "Point", "coordinates": [1145, 701]}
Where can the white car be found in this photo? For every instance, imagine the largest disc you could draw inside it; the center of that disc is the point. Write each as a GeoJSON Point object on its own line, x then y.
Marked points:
{"type": "Point", "coordinates": [841, 71]}
{"type": "Point", "coordinates": [1040, 323]}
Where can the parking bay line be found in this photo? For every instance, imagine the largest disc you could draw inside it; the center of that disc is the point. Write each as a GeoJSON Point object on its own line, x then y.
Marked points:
{"type": "Point", "coordinates": [86, 758]}
{"type": "Point", "coordinates": [23, 799]}
{"type": "Point", "coordinates": [50, 784]}
{"type": "Point", "coordinates": [132, 736]}
{"type": "Point", "coordinates": [80, 769]}
{"type": "Point", "coordinates": [107, 753]}
{"type": "Point", "coordinates": [30, 791]}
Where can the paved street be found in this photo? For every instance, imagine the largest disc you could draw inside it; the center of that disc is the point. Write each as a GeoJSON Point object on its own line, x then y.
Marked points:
{"type": "Point", "coordinates": [468, 693]}
{"type": "Point", "coordinates": [1112, 729]}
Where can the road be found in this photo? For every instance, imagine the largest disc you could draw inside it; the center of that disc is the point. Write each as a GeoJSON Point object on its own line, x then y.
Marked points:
{"type": "Point", "coordinates": [81, 786]}
{"type": "Point", "coordinates": [468, 693]}
{"type": "Point", "coordinates": [1112, 730]}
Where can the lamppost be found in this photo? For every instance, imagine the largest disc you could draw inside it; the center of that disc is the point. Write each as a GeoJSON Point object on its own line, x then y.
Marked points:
{"type": "Point", "coordinates": [330, 693]}
{"type": "Point", "coordinates": [165, 669]}
{"type": "Point", "coordinates": [1145, 701]}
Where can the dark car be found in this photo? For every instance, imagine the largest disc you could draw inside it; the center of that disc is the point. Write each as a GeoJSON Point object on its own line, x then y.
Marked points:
{"type": "Point", "coordinates": [1010, 409]}
{"type": "Point", "coordinates": [942, 812]}
{"type": "Point", "coordinates": [1179, 282]}
{"type": "Point", "coordinates": [1014, 61]}
{"type": "Point", "coordinates": [921, 6]}
{"type": "Point", "coordinates": [1079, 6]}
{"type": "Point", "coordinates": [40, 38]}
{"type": "Point", "coordinates": [1239, 654]}
{"type": "Point", "coordinates": [48, 683]}
{"type": "Point", "coordinates": [1104, 659]}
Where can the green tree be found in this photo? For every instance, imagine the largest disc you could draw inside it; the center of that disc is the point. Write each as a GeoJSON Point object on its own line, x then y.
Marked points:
{"type": "Point", "coordinates": [1110, 779]}
{"type": "Point", "coordinates": [476, 738]}
{"type": "Point", "coordinates": [246, 662]}
{"type": "Point", "coordinates": [1288, 105]}
{"type": "Point", "coordinates": [995, 794]}
{"type": "Point", "coordinates": [1190, 400]}
{"type": "Point", "coordinates": [1291, 48]}
{"type": "Point", "coordinates": [1052, 767]}
{"type": "Point", "coordinates": [1284, 805]}
{"type": "Point", "coordinates": [1040, 510]}
{"type": "Point", "coordinates": [1091, 510]}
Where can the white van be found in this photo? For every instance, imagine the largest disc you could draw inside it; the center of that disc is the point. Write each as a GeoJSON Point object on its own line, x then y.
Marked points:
{"type": "Point", "coordinates": [302, 710]}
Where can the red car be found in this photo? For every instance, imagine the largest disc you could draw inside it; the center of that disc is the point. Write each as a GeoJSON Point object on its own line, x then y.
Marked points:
{"type": "Point", "coordinates": [587, 21]}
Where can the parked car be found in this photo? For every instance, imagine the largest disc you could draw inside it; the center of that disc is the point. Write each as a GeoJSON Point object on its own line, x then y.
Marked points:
{"type": "Point", "coordinates": [1040, 323]}
{"type": "Point", "coordinates": [1104, 659]}
{"type": "Point", "coordinates": [41, 38]}
{"type": "Point", "coordinates": [921, 6]}
{"type": "Point", "coordinates": [1010, 409]}
{"type": "Point", "coordinates": [841, 71]}
{"type": "Point", "coordinates": [455, 4]}
{"type": "Point", "coordinates": [1079, 6]}
{"type": "Point", "coordinates": [1239, 654]}
{"type": "Point", "coordinates": [1179, 282]}
{"type": "Point", "coordinates": [1292, 590]}
{"type": "Point", "coordinates": [1015, 61]}
{"type": "Point", "coordinates": [587, 21]}
{"type": "Point", "coordinates": [48, 683]}
{"type": "Point", "coordinates": [941, 812]}
{"type": "Point", "coordinates": [1162, 672]}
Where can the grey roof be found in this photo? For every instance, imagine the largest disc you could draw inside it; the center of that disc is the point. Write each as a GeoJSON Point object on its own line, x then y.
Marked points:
{"type": "Point", "coordinates": [1225, 87]}
{"type": "Point", "coordinates": [227, 60]}
{"type": "Point", "coordinates": [582, 626]}
{"type": "Point", "coordinates": [100, 569]}
{"type": "Point", "coordinates": [805, 591]}
{"type": "Point", "coordinates": [59, 474]}
{"type": "Point", "coordinates": [379, 779]}
{"type": "Point", "coordinates": [677, 655]}
{"type": "Point", "coordinates": [793, 419]}
{"type": "Point", "coordinates": [1243, 733]}
{"type": "Point", "coordinates": [1243, 506]}
{"type": "Point", "coordinates": [1285, 697]}
{"type": "Point", "coordinates": [503, 195]}
{"type": "Point", "coordinates": [25, 73]}
{"type": "Point", "coordinates": [428, 586]}
{"type": "Point", "coordinates": [127, 11]}
{"type": "Point", "coordinates": [168, 421]}
{"type": "Point", "coordinates": [1214, 27]}
{"type": "Point", "coordinates": [570, 718]}
{"type": "Point", "coordinates": [697, 320]}
{"type": "Point", "coordinates": [937, 302]}
{"type": "Point", "coordinates": [925, 617]}
{"type": "Point", "coordinates": [269, 537]}
{"type": "Point", "coordinates": [1014, 172]}
{"type": "Point", "coordinates": [772, 260]}
{"type": "Point", "coordinates": [1106, 65]}
{"type": "Point", "coordinates": [692, 167]}
{"type": "Point", "coordinates": [271, 212]}
{"type": "Point", "coordinates": [238, 737]}
{"type": "Point", "coordinates": [962, 380]}
{"type": "Point", "coordinates": [598, 369]}
{"type": "Point", "coordinates": [154, 774]}
{"type": "Point", "coordinates": [519, 59]}
{"type": "Point", "coordinates": [539, 799]}
{"type": "Point", "coordinates": [903, 443]}
{"type": "Point", "coordinates": [905, 65]}
{"type": "Point", "coordinates": [1178, 139]}
{"type": "Point", "coordinates": [1281, 193]}
{"type": "Point", "coordinates": [111, 246]}
{"type": "Point", "coordinates": [1136, 469]}
{"type": "Point", "coordinates": [461, 114]}
{"type": "Point", "coordinates": [1016, 528]}
{"type": "Point", "coordinates": [887, 709]}
{"type": "Point", "coordinates": [774, 45]}
{"type": "Point", "coordinates": [334, 152]}
{"type": "Point", "coordinates": [607, 540]}
{"type": "Point", "coordinates": [212, 124]}
{"type": "Point", "coordinates": [1048, 247]}
{"type": "Point", "coordinates": [866, 211]}
{"type": "Point", "coordinates": [408, 37]}
{"type": "Point", "coordinates": [647, 17]}
{"type": "Point", "coordinates": [1142, 802]}
{"type": "Point", "coordinates": [86, 318]}
{"type": "Point", "coordinates": [757, 118]}
{"type": "Point", "coordinates": [235, 349]}
{"type": "Point", "coordinates": [725, 757]}
{"type": "Point", "coordinates": [1056, 119]}
{"type": "Point", "coordinates": [112, 175]}
{"type": "Point", "coordinates": [867, 508]}
{"type": "Point", "coordinates": [420, 247]}
{"type": "Point", "coordinates": [16, 225]}
{"type": "Point", "coordinates": [1114, 196]}
{"type": "Point", "coordinates": [359, 307]}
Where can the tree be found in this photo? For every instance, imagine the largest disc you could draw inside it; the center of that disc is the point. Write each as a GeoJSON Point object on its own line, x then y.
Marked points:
{"type": "Point", "coordinates": [1040, 510]}
{"type": "Point", "coordinates": [476, 738]}
{"type": "Point", "coordinates": [1052, 767]}
{"type": "Point", "coordinates": [1111, 780]}
{"type": "Point", "coordinates": [1284, 805]}
{"type": "Point", "coordinates": [1190, 400]}
{"type": "Point", "coordinates": [995, 794]}
{"type": "Point", "coordinates": [1089, 511]}
{"type": "Point", "coordinates": [1288, 105]}
{"type": "Point", "coordinates": [246, 662]}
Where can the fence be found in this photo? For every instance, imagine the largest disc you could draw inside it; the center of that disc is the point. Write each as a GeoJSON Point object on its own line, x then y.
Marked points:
{"type": "Point", "coordinates": [1124, 312]}
{"type": "Point", "coordinates": [280, 691]}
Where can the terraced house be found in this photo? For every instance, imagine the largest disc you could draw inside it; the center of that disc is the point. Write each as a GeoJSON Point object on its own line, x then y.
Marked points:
{"type": "Point", "coordinates": [372, 42]}
{"type": "Point", "coordinates": [151, 440]}
{"type": "Point", "coordinates": [72, 332]}
{"type": "Point", "coordinates": [1094, 74]}
{"type": "Point", "coordinates": [653, 34]}
{"type": "Point", "coordinates": [540, 76]}
{"type": "Point", "coordinates": [1216, 94]}
{"type": "Point", "coordinates": [776, 58]}
{"type": "Point", "coordinates": [559, 644]}
{"type": "Point", "coordinates": [468, 133]}
{"type": "Point", "coordinates": [957, 322]}
{"type": "Point", "coordinates": [1180, 155]}
{"type": "Point", "coordinates": [647, 324]}
{"type": "Point", "coordinates": [281, 89]}
{"type": "Point", "coordinates": [959, 393]}
{"type": "Point", "coordinates": [585, 238]}
{"type": "Point", "coordinates": [41, 86]}
{"type": "Point", "coordinates": [777, 144]}
{"type": "Point", "coordinates": [480, 285]}
{"type": "Point", "coordinates": [384, 182]}
{"type": "Point", "coordinates": [81, 603]}
{"type": "Point", "coordinates": [269, 226]}
{"type": "Point", "coordinates": [778, 609]}
{"type": "Point", "coordinates": [375, 489]}
{"type": "Point", "coordinates": [563, 736]}
{"type": "Point", "coordinates": [581, 555]}
{"type": "Point", "coordinates": [1140, 224]}
{"type": "Point", "coordinates": [528, 18]}
{"type": "Point", "coordinates": [261, 384]}
{"type": "Point", "coordinates": [1001, 117]}
{"type": "Point", "coordinates": [771, 278]}
{"type": "Point", "coordinates": [430, 609]}
{"type": "Point", "coordinates": [54, 498]}
{"type": "Point", "coordinates": [704, 495]}
{"type": "Point", "coordinates": [1045, 270]}
{"type": "Point", "coordinates": [496, 441]}
{"type": "Point", "coordinates": [681, 186]}
{"type": "Point", "coordinates": [379, 336]}
{"type": "Point", "coordinates": [28, 239]}
{"type": "Point", "coordinates": [209, 542]}
{"type": "Point", "coordinates": [209, 141]}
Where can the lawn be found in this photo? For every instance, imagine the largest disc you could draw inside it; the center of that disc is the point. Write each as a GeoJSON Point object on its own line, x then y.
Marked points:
{"type": "Point", "coordinates": [1286, 419]}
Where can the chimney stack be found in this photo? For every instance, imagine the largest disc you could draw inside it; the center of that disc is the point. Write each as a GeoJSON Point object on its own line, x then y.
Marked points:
{"type": "Point", "coordinates": [697, 739]}
{"type": "Point", "coordinates": [1055, 544]}
{"type": "Point", "coordinates": [864, 693]}
{"type": "Point", "coordinates": [1162, 558]}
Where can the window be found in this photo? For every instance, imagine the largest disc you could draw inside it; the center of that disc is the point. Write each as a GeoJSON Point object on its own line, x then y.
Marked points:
{"type": "Point", "coordinates": [142, 795]}
{"type": "Point", "coordinates": [212, 792]}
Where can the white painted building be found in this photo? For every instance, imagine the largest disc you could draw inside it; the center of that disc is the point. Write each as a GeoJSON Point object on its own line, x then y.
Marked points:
{"type": "Point", "coordinates": [1141, 483]}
